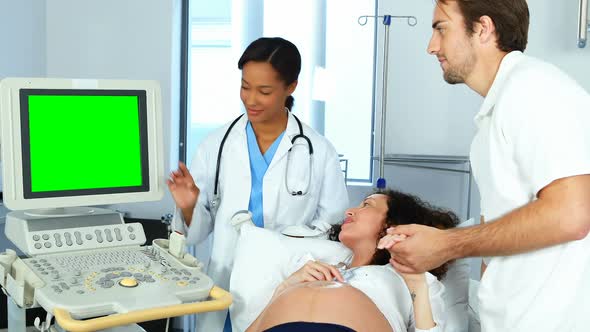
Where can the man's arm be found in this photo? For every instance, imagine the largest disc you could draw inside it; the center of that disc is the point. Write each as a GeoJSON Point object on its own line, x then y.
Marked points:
{"type": "Point", "coordinates": [560, 214]}
{"type": "Point", "coordinates": [483, 268]}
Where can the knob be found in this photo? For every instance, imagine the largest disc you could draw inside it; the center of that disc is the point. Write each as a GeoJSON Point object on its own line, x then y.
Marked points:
{"type": "Point", "coordinates": [128, 282]}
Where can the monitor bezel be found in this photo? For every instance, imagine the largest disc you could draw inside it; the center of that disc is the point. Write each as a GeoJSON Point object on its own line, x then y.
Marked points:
{"type": "Point", "coordinates": [28, 193]}
{"type": "Point", "coordinates": [12, 152]}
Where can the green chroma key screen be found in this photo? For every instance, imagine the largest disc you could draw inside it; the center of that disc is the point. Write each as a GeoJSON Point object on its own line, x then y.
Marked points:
{"type": "Point", "coordinates": [78, 142]}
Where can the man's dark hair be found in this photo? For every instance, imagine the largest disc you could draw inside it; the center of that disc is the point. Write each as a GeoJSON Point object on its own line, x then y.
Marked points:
{"type": "Point", "coordinates": [511, 18]}
{"type": "Point", "coordinates": [404, 209]}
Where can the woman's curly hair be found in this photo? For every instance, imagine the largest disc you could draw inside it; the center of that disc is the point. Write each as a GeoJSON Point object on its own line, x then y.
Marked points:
{"type": "Point", "coordinates": [404, 209]}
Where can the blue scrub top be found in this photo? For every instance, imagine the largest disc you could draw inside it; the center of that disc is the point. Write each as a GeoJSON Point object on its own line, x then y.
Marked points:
{"type": "Point", "coordinates": [258, 165]}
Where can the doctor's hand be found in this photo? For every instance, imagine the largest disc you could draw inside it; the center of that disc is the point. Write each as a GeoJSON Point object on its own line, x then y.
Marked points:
{"type": "Point", "coordinates": [184, 190]}
{"type": "Point", "coordinates": [423, 249]}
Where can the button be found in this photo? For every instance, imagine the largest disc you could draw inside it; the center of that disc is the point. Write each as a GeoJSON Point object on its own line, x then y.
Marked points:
{"type": "Point", "coordinates": [128, 282]}
{"type": "Point", "coordinates": [68, 237]}
{"type": "Point", "coordinates": [130, 229]}
{"type": "Point", "coordinates": [98, 236]}
{"type": "Point", "coordinates": [182, 283]}
{"type": "Point", "coordinates": [108, 284]}
{"type": "Point", "coordinates": [132, 236]}
{"type": "Point", "coordinates": [47, 244]}
{"type": "Point", "coordinates": [78, 236]}
{"type": "Point", "coordinates": [36, 237]}
{"type": "Point", "coordinates": [80, 291]}
{"type": "Point", "coordinates": [108, 234]}
{"type": "Point", "coordinates": [45, 237]}
{"type": "Point", "coordinates": [88, 237]}
{"type": "Point", "coordinates": [38, 246]}
{"type": "Point", "coordinates": [118, 234]}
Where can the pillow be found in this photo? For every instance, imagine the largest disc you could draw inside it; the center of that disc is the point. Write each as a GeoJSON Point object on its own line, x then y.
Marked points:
{"type": "Point", "coordinates": [262, 257]}
{"type": "Point", "coordinates": [456, 295]}
{"type": "Point", "coordinates": [474, 324]}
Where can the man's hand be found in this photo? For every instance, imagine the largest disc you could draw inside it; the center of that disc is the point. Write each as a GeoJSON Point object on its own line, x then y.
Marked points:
{"type": "Point", "coordinates": [423, 249]}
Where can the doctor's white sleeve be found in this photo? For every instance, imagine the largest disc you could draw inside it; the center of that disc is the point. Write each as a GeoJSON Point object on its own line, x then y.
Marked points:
{"type": "Point", "coordinates": [333, 195]}
{"type": "Point", "coordinates": [202, 223]}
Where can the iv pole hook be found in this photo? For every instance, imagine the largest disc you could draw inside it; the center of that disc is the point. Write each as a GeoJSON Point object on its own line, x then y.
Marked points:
{"type": "Point", "coordinates": [362, 20]}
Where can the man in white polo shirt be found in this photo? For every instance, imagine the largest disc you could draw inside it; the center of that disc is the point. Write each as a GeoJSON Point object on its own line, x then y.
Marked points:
{"type": "Point", "coordinates": [531, 161]}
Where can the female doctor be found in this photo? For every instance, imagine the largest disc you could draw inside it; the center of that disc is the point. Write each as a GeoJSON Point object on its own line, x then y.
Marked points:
{"type": "Point", "coordinates": [265, 161]}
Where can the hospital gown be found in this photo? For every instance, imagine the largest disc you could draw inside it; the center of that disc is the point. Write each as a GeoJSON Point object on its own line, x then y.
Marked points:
{"type": "Point", "coordinates": [387, 289]}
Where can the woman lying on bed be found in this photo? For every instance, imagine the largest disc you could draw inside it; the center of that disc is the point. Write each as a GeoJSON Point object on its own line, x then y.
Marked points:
{"type": "Point", "coordinates": [365, 293]}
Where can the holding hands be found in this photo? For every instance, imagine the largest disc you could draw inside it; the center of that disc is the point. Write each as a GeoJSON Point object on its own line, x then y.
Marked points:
{"type": "Point", "coordinates": [388, 242]}
{"type": "Point", "coordinates": [416, 248]}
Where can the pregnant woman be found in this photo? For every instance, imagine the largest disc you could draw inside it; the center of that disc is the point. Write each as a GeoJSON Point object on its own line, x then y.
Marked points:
{"type": "Point", "coordinates": [364, 293]}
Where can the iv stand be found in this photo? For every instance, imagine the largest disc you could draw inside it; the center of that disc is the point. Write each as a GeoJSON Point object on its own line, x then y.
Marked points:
{"type": "Point", "coordinates": [362, 20]}
{"type": "Point", "coordinates": [583, 24]}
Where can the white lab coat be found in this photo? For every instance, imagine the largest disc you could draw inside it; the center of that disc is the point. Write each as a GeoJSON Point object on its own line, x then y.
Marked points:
{"type": "Point", "coordinates": [324, 204]}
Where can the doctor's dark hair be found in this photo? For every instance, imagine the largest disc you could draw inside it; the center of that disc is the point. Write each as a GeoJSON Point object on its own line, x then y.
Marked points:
{"type": "Point", "coordinates": [281, 54]}
{"type": "Point", "coordinates": [404, 209]}
{"type": "Point", "coordinates": [511, 18]}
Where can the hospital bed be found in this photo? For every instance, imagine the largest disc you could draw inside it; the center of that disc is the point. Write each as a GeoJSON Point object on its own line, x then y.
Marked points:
{"type": "Point", "coordinates": [253, 281]}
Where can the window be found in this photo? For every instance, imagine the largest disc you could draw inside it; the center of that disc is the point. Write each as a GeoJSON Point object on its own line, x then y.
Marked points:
{"type": "Point", "coordinates": [335, 90]}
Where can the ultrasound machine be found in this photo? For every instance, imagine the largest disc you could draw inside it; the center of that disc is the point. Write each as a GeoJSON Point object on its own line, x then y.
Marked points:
{"type": "Point", "coordinates": [69, 146]}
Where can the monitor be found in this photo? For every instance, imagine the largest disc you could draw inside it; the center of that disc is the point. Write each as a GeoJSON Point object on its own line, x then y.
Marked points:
{"type": "Point", "coordinates": [72, 142]}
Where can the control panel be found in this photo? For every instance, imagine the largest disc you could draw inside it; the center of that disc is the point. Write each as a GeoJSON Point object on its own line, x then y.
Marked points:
{"type": "Point", "coordinates": [88, 268]}
{"type": "Point", "coordinates": [107, 281]}
{"type": "Point", "coordinates": [37, 235]}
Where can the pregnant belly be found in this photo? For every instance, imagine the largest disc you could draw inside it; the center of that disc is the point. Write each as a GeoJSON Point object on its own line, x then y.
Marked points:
{"type": "Point", "coordinates": [324, 302]}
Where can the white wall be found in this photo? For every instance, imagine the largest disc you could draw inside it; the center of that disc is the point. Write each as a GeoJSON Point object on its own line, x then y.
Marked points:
{"type": "Point", "coordinates": [131, 39]}
{"type": "Point", "coordinates": [22, 32]}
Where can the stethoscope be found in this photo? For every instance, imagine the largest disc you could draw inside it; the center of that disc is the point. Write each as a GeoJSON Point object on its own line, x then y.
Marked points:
{"type": "Point", "coordinates": [216, 197]}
